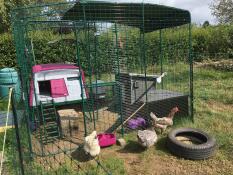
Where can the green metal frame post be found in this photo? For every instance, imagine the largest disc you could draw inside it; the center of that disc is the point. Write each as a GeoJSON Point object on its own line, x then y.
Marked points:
{"type": "Point", "coordinates": [191, 71]}
{"type": "Point", "coordinates": [142, 37]}
{"type": "Point", "coordinates": [20, 50]}
{"type": "Point", "coordinates": [17, 132]}
{"type": "Point", "coordinates": [96, 68]}
{"type": "Point", "coordinates": [161, 53]}
{"type": "Point", "coordinates": [80, 79]}
{"type": "Point", "coordinates": [118, 76]}
{"type": "Point", "coordinates": [87, 37]}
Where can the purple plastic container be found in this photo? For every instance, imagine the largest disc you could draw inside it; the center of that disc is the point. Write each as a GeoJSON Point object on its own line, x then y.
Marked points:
{"type": "Point", "coordinates": [141, 121]}
{"type": "Point", "coordinates": [132, 124]}
{"type": "Point", "coordinates": [137, 122]}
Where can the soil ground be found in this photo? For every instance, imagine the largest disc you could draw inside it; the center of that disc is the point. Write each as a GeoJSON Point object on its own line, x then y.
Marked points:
{"type": "Point", "coordinates": [72, 124]}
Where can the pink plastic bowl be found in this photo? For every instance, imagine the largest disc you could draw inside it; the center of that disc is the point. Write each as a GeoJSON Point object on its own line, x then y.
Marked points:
{"type": "Point", "coordinates": [106, 139]}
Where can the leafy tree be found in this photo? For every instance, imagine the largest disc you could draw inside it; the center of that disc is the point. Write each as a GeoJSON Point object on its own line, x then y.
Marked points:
{"type": "Point", "coordinates": [7, 5]}
{"type": "Point", "coordinates": [5, 8]}
{"type": "Point", "coordinates": [223, 10]}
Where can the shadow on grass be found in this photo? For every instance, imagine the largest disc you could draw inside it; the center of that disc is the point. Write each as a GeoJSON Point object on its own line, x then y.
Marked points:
{"type": "Point", "coordinates": [80, 155]}
{"type": "Point", "coordinates": [161, 145]}
{"type": "Point", "coordinates": [132, 147]}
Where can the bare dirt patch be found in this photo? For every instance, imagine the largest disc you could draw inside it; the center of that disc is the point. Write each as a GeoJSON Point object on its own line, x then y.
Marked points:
{"type": "Point", "coordinates": [99, 120]}
{"type": "Point", "coordinates": [59, 151]}
{"type": "Point", "coordinates": [226, 65]}
{"type": "Point", "coordinates": [219, 107]}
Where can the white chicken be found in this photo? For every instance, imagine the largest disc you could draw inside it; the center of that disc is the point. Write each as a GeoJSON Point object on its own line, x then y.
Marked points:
{"type": "Point", "coordinates": [91, 144]}
{"type": "Point", "coordinates": [164, 122]}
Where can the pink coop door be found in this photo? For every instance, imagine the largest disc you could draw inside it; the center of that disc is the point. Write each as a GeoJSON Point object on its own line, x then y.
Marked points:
{"type": "Point", "coordinates": [58, 88]}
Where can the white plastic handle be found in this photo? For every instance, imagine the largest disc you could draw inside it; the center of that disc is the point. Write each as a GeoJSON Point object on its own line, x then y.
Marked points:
{"type": "Point", "coordinates": [159, 79]}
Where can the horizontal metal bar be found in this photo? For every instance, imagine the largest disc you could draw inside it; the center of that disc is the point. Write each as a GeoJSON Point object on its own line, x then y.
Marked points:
{"type": "Point", "coordinates": [102, 84]}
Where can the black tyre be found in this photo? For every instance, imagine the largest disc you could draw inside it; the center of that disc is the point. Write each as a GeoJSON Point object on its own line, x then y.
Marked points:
{"type": "Point", "coordinates": [191, 143]}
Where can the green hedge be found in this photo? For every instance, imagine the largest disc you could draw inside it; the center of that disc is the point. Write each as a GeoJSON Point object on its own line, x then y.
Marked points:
{"type": "Point", "coordinates": [7, 51]}
{"type": "Point", "coordinates": [211, 42]}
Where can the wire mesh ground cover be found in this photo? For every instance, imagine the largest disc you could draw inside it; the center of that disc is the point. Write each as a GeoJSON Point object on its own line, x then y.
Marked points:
{"type": "Point", "coordinates": [105, 40]}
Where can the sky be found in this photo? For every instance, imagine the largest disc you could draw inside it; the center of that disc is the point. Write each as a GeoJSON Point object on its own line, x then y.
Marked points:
{"type": "Point", "coordinates": [199, 9]}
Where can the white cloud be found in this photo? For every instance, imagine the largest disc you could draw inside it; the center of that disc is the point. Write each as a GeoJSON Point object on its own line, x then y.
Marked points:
{"type": "Point", "coordinates": [199, 9]}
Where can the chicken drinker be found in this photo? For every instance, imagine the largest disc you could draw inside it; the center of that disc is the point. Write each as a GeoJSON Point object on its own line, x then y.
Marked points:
{"type": "Point", "coordinates": [106, 139]}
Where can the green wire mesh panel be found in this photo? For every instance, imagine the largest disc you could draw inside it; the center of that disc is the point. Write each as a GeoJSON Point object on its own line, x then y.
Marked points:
{"type": "Point", "coordinates": [135, 58]}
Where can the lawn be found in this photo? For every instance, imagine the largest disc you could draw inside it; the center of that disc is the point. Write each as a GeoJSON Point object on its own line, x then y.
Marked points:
{"type": "Point", "coordinates": [213, 91]}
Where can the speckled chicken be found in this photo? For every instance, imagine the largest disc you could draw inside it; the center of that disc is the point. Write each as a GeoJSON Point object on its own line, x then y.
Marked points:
{"type": "Point", "coordinates": [147, 138]}
{"type": "Point", "coordinates": [164, 122]}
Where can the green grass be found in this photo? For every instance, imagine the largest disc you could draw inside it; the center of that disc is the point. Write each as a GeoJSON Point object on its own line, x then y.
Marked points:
{"type": "Point", "coordinates": [214, 106]}
{"type": "Point", "coordinates": [3, 105]}
{"type": "Point", "coordinates": [213, 103]}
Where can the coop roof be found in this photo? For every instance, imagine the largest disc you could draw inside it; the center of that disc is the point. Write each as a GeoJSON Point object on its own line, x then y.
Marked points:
{"type": "Point", "coordinates": [45, 67]}
{"type": "Point", "coordinates": [145, 16]}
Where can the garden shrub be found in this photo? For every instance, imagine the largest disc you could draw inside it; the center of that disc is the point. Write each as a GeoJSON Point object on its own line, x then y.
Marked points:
{"type": "Point", "coordinates": [212, 42]}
